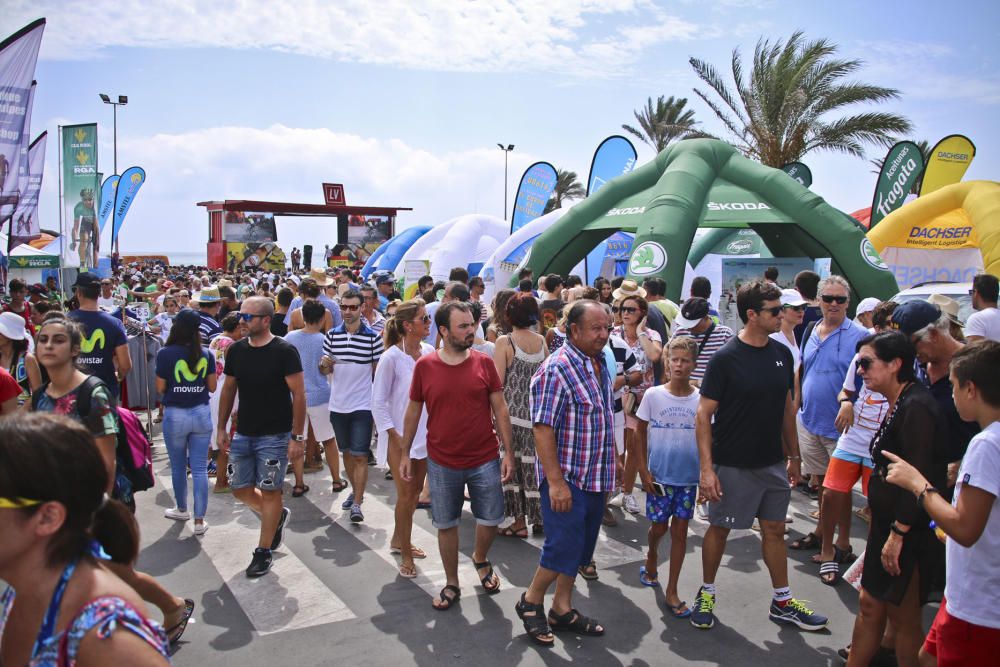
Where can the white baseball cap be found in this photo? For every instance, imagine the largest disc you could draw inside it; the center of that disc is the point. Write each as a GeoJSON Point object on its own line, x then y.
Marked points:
{"type": "Point", "coordinates": [791, 297]}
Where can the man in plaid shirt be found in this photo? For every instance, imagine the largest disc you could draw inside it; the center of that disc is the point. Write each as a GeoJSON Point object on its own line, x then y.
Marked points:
{"type": "Point", "coordinates": [572, 408]}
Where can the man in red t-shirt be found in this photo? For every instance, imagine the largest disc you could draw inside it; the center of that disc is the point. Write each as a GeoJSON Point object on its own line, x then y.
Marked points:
{"type": "Point", "coordinates": [18, 304]}
{"type": "Point", "coordinates": [463, 395]}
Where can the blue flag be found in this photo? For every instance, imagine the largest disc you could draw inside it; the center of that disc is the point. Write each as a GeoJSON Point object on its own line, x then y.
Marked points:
{"type": "Point", "coordinates": [614, 156]}
{"type": "Point", "coordinates": [131, 180]}
{"type": "Point", "coordinates": [108, 189]}
{"type": "Point", "coordinates": [537, 185]}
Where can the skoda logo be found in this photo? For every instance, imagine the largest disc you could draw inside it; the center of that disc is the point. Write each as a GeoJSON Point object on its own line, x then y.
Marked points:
{"type": "Point", "coordinates": [871, 256]}
{"type": "Point", "coordinates": [648, 257]}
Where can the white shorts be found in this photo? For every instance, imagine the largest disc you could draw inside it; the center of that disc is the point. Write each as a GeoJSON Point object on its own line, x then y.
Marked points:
{"type": "Point", "coordinates": [620, 432]}
{"type": "Point", "coordinates": [319, 419]}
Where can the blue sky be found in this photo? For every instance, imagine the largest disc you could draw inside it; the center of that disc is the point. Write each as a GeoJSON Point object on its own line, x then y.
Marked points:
{"type": "Point", "coordinates": [404, 102]}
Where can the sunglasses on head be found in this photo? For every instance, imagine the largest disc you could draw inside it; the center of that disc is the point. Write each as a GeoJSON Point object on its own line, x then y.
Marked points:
{"type": "Point", "coordinates": [830, 298]}
{"type": "Point", "coordinates": [774, 310]}
{"type": "Point", "coordinates": [864, 363]}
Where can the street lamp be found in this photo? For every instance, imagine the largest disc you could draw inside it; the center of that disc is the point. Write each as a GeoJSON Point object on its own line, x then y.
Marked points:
{"type": "Point", "coordinates": [122, 101]}
{"type": "Point", "coordinates": [506, 153]}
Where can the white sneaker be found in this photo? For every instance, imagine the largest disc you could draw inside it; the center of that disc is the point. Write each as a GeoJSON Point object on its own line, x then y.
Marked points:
{"type": "Point", "coordinates": [630, 504]}
{"type": "Point", "coordinates": [616, 500]}
{"type": "Point", "coordinates": [200, 528]}
{"type": "Point", "coordinates": [177, 514]}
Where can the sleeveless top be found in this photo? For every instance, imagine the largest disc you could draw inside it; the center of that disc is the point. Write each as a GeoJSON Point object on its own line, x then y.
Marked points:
{"type": "Point", "coordinates": [20, 373]}
{"type": "Point", "coordinates": [106, 613]}
{"type": "Point", "coordinates": [517, 381]}
{"type": "Point", "coordinates": [558, 339]}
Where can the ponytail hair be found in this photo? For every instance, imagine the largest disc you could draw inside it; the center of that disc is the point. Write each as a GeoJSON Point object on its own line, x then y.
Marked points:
{"type": "Point", "coordinates": [405, 312]}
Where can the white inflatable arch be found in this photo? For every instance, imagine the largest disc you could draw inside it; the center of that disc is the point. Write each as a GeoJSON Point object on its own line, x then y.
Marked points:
{"type": "Point", "coordinates": [467, 240]}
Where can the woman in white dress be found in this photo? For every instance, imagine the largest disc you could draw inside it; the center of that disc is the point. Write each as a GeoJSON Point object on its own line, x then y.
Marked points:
{"type": "Point", "coordinates": [403, 337]}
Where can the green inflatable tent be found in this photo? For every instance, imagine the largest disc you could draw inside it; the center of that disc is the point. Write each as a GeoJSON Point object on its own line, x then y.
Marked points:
{"type": "Point", "coordinates": [708, 183]}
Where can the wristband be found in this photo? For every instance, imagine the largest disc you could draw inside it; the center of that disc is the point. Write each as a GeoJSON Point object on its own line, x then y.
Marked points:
{"type": "Point", "coordinates": [793, 458]}
{"type": "Point", "coordinates": [923, 494]}
{"type": "Point", "coordinates": [847, 400]}
{"type": "Point", "coordinates": [894, 528]}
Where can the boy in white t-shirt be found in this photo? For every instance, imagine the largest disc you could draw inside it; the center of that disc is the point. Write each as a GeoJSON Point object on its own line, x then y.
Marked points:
{"type": "Point", "coordinates": [668, 465]}
{"type": "Point", "coordinates": [966, 630]}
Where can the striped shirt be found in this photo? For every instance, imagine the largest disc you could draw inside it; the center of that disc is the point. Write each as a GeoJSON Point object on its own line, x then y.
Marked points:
{"type": "Point", "coordinates": [568, 395]}
{"type": "Point", "coordinates": [718, 336]}
{"type": "Point", "coordinates": [625, 363]}
{"type": "Point", "coordinates": [355, 357]}
{"type": "Point", "coordinates": [209, 328]}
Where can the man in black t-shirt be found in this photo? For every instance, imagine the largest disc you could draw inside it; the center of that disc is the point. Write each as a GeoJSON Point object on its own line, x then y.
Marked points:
{"type": "Point", "coordinates": [267, 373]}
{"type": "Point", "coordinates": [747, 389]}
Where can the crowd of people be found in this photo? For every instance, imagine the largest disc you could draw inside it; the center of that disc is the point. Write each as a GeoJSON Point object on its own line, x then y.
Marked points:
{"type": "Point", "coordinates": [546, 409]}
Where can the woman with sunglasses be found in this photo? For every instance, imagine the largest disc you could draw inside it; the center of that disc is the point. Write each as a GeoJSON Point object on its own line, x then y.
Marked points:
{"type": "Point", "coordinates": [185, 377]}
{"type": "Point", "coordinates": [793, 308]}
{"type": "Point", "coordinates": [403, 337]}
{"type": "Point", "coordinates": [904, 561]}
{"type": "Point", "coordinates": [63, 606]}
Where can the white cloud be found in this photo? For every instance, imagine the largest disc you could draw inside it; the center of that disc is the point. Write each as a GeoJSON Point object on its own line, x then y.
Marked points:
{"type": "Point", "coordinates": [442, 35]}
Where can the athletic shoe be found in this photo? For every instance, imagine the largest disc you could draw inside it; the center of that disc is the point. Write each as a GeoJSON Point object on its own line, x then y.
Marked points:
{"type": "Point", "coordinates": [201, 528]}
{"type": "Point", "coordinates": [702, 615]}
{"type": "Point", "coordinates": [346, 505]}
{"type": "Point", "coordinates": [630, 504]}
{"type": "Point", "coordinates": [276, 542]}
{"type": "Point", "coordinates": [616, 500]}
{"type": "Point", "coordinates": [212, 469]}
{"type": "Point", "coordinates": [356, 515]}
{"type": "Point", "coordinates": [795, 612]}
{"type": "Point", "coordinates": [371, 459]}
{"type": "Point", "coordinates": [177, 514]}
{"type": "Point", "coordinates": [388, 475]}
{"type": "Point", "coordinates": [261, 563]}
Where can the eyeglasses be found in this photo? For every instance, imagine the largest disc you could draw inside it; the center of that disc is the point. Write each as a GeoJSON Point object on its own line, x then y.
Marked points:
{"type": "Point", "coordinates": [864, 363]}
{"type": "Point", "coordinates": [830, 298]}
{"type": "Point", "coordinates": [246, 317]}
{"type": "Point", "coordinates": [344, 307]}
{"type": "Point", "coordinates": [17, 503]}
{"type": "Point", "coordinates": [774, 311]}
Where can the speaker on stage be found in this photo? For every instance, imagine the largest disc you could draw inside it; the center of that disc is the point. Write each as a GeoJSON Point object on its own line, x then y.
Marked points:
{"type": "Point", "coordinates": [307, 257]}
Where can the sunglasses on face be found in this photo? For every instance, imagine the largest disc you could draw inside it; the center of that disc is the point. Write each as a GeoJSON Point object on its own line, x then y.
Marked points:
{"type": "Point", "coordinates": [797, 309]}
{"type": "Point", "coordinates": [625, 309]}
{"type": "Point", "coordinates": [830, 298]}
{"type": "Point", "coordinates": [246, 317]}
{"type": "Point", "coordinates": [348, 307]}
{"type": "Point", "coordinates": [774, 311]}
{"type": "Point", "coordinates": [425, 319]}
{"type": "Point", "coordinates": [864, 363]}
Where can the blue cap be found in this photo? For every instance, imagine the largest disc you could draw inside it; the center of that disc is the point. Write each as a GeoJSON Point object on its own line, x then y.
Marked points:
{"type": "Point", "coordinates": [912, 316]}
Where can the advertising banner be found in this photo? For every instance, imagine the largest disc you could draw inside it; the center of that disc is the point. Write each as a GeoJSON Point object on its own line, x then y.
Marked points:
{"type": "Point", "coordinates": [247, 227]}
{"type": "Point", "coordinates": [18, 54]}
{"type": "Point", "coordinates": [24, 224]}
{"type": "Point", "coordinates": [22, 153]}
{"type": "Point", "coordinates": [537, 185]}
{"type": "Point", "coordinates": [128, 186]}
{"type": "Point", "coordinates": [413, 270]}
{"type": "Point", "coordinates": [799, 172]}
{"type": "Point", "coordinates": [368, 231]}
{"type": "Point", "coordinates": [79, 185]}
{"type": "Point", "coordinates": [107, 202]}
{"type": "Point", "coordinates": [735, 272]}
{"type": "Point", "coordinates": [901, 168]}
{"type": "Point", "coordinates": [265, 255]}
{"type": "Point", "coordinates": [614, 156]}
{"type": "Point", "coordinates": [948, 163]}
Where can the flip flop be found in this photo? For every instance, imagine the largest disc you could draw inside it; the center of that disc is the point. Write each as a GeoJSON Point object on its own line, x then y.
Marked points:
{"type": "Point", "coordinates": [449, 600]}
{"type": "Point", "coordinates": [416, 552]}
{"type": "Point", "coordinates": [408, 573]}
{"type": "Point", "coordinates": [520, 533]}
{"type": "Point", "coordinates": [175, 631]}
{"type": "Point", "coordinates": [676, 610]}
{"type": "Point", "coordinates": [645, 579]}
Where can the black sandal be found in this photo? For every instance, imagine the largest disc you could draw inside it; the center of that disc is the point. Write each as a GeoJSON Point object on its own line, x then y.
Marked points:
{"type": "Point", "coordinates": [175, 631]}
{"type": "Point", "coordinates": [299, 491]}
{"type": "Point", "coordinates": [449, 600]}
{"type": "Point", "coordinates": [808, 541]}
{"type": "Point", "coordinates": [574, 621]}
{"type": "Point", "coordinates": [535, 623]}
{"type": "Point", "coordinates": [338, 485]}
{"type": "Point", "coordinates": [588, 571]}
{"type": "Point", "coordinates": [489, 576]}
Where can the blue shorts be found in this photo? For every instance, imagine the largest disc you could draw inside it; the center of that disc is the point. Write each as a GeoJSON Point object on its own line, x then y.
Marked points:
{"type": "Point", "coordinates": [678, 502]}
{"type": "Point", "coordinates": [570, 537]}
{"type": "Point", "coordinates": [258, 460]}
{"type": "Point", "coordinates": [447, 487]}
{"type": "Point", "coordinates": [353, 431]}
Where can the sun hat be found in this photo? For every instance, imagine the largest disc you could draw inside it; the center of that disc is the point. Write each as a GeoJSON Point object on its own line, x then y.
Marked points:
{"type": "Point", "coordinates": [948, 306]}
{"type": "Point", "coordinates": [693, 311]}
{"type": "Point", "coordinates": [628, 288]}
{"type": "Point", "coordinates": [791, 297]}
{"type": "Point", "coordinates": [207, 295]}
{"type": "Point", "coordinates": [12, 326]}
{"type": "Point", "coordinates": [319, 275]}
{"type": "Point", "coordinates": [224, 282]}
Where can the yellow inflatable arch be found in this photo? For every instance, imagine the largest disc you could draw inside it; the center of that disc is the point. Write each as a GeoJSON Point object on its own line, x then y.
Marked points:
{"type": "Point", "coordinates": [949, 235]}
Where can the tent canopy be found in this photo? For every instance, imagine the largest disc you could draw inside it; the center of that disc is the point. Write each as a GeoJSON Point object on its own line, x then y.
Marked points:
{"type": "Point", "coordinates": [708, 183]}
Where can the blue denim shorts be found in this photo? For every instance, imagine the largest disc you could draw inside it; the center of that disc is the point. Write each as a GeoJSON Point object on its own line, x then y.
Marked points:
{"type": "Point", "coordinates": [353, 431]}
{"type": "Point", "coordinates": [570, 537]}
{"type": "Point", "coordinates": [258, 460]}
{"type": "Point", "coordinates": [448, 493]}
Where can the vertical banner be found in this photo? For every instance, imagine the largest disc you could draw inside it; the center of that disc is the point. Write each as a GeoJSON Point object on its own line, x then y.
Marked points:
{"type": "Point", "coordinates": [129, 184]}
{"type": "Point", "coordinates": [22, 153]}
{"type": "Point", "coordinates": [24, 225]}
{"type": "Point", "coordinates": [107, 203]}
{"type": "Point", "coordinates": [79, 183]}
{"type": "Point", "coordinates": [537, 184]}
{"type": "Point", "coordinates": [614, 156]}
{"type": "Point", "coordinates": [948, 163]}
{"type": "Point", "coordinates": [901, 168]}
{"type": "Point", "coordinates": [18, 54]}
{"type": "Point", "coordinates": [800, 173]}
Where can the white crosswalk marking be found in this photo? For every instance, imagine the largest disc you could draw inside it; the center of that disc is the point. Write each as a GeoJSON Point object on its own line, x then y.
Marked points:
{"type": "Point", "coordinates": [290, 597]}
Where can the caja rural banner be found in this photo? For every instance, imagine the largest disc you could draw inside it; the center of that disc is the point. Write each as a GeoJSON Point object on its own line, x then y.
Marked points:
{"type": "Point", "coordinates": [614, 156]}
{"type": "Point", "coordinates": [107, 203]}
{"type": "Point", "coordinates": [24, 224]}
{"type": "Point", "coordinates": [79, 194]}
{"type": "Point", "coordinates": [18, 54]}
{"type": "Point", "coordinates": [537, 185]}
{"type": "Point", "coordinates": [799, 172]}
{"type": "Point", "coordinates": [948, 163]}
{"type": "Point", "coordinates": [901, 168]}
{"type": "Point", "coordinates": [128, 186]}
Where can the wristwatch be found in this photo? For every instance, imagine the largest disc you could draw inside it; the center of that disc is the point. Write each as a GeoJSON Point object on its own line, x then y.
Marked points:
{"type": "Point", "coordinates": [299, 438]}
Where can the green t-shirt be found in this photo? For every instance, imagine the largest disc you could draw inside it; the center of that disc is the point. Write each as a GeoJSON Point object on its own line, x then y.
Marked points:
{"type": "Point", "coordinates": [84, 213]}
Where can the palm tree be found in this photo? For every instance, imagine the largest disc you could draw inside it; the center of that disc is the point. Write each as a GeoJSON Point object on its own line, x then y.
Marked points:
{"type": "Point", "coordinates": [567, 187]}
{"type": "Point", "coordinates": [925, 151]}
{"type": "Point", "coordinates": [782, 110]}
{"type": "Point", "coordinates": [665, 122]}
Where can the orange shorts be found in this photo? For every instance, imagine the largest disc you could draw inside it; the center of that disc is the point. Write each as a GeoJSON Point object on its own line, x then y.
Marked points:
{"type": "Point", "coordinates": [844, 471]}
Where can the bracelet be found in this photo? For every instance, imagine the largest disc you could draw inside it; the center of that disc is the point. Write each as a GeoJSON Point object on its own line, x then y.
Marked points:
{"type": "Point", "coordinates": [894, 528]}
{"type": "Point", "coordinates": [847, 400]}
{"type": "Point", "coordinates": [923, 494]}
{"type": "Point", "coordinates": [793, 458]}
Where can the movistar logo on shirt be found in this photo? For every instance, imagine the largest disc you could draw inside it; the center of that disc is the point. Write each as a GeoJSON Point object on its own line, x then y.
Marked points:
{"type": "Point", "coordinates": [94, 340]}
{"type": "Point", "coordinates": [181, 369]}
